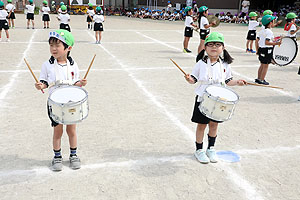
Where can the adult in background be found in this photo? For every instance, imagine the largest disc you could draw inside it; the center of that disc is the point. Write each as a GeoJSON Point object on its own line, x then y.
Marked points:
{"type": "Point", "coordinates": [245, 8]}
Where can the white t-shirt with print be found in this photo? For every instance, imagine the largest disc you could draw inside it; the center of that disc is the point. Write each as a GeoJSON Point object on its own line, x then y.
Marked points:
{"type": "Point", "coordinates": [203, 72]}
{"type": "Point", "coordinates": [30, 8]}
{"type": "Point", "coordinates": [293, 28]}
{"type": "Point", "coordinates": [45, 10]}
{"type": "Point", "coordinates": [98, 18]}
{"type": "Point", "coordinates": [10, 7]}
{"type": "Point", "coordinates": [252, 25]}
{"type": "Point", "coordinates": [64, 18]}
{"type": "Point", "coordinates": [263, 35]}
{"type": "Point", "coordinates": [204, 21]}
{"type": "Point", "coordinates": [48, 73]}
{"type": "Point", "coordinates": [188, 21]}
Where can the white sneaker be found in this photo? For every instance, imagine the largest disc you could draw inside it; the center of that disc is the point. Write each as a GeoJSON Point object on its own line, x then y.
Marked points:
{"type": "Point", "coordinates": [8, 40]}
{"type": "Point", "coordinates": [74, 162]}
{"type": "Point", "coordinates": [56, 164]}
{"type": "Point", "coordinates": [211, 154]}
{"type": "Point", "coordinates": [0, 39]}
{"type": "Point", "coordinates": [201, 156]}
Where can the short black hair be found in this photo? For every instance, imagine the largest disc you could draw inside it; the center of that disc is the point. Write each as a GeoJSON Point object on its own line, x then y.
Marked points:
{"type": "Point", "coordinates": [55, 40]}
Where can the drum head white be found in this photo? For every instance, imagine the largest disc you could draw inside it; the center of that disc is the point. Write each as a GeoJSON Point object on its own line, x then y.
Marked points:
{"type": "Point", "coordinates": [67, 94]}
{"type": "Point", "coordinates": [286, 52]}
{"type": "Point", "coordinates": [222, 92]}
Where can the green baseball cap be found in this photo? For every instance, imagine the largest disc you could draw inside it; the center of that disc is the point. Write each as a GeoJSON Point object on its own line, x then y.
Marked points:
{"type": "Point", "coordinates": [253, 14]}
{"type": "Point", "coordinates": [203, 8]}
{"type": "Point", "coordinates": [267, 19]}
{"type": "Point", "coordinates": [98, 8]}
{"type": "Point", "coordinates": [214, 37]}
{"type": "Point", "coordinates": [9, 1]}
{"type": "Point", "coordinates": [61, 3]}
{"type": "Point", "coordinates": [63, 7]}
{"type": "Point", "coordinates": [187, 9]}
{"type": "Point", "coordinates": [45, 2]}
{"type": "Point", "coordinates": [268, 12]}
{"type": "Point", "coordinates": [1, 3]}
{"type": "Point", "coordinates": [291, 15]}
{"type": "Point", "coordinates": [90, 4]}
{"type": "Point", "coordinates": [30, 1]}
{"type": "Point", "coordinates": [63, 35]}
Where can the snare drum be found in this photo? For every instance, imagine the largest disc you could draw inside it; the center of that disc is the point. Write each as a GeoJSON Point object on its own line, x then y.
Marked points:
{"type": "Point", "coordinates": [68, 104]}
{"type": "Point", "coordinates": [218, 103]}
{"type": "Point", "coordinates": [286, 52]}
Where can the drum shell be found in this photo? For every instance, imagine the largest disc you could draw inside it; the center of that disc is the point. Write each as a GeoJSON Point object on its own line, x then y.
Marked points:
{"type": "Point", "coordinates": [71, 112]}
{"type": "Point", "coordinates": [217, 108]}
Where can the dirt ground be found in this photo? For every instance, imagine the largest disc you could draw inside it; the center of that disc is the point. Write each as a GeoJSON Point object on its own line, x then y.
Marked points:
{"type": "Point", "coordinates": [138, 140]}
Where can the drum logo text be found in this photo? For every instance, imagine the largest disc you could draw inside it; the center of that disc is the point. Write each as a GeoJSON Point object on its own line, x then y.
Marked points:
{"type": "Point", "coordinates": [283, 58]}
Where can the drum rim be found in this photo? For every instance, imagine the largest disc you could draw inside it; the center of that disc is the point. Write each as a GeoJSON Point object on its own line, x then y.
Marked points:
{"type": "Point", "coordinates": [72, 103]}
{"type": "Point", "coordinates": [291, 59]}
{"type": "Point", "coordinates": [217, 98]}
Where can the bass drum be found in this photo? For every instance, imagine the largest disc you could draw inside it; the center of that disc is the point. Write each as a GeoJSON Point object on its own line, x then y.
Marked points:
{"type": "Point", "coordinates": [286, 52]}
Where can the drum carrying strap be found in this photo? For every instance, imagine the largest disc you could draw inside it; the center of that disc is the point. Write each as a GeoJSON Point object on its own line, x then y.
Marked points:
{"type": "Point", "coordinates": [61, 78]}
{"type": "Point", "coordinates": [210, 76]}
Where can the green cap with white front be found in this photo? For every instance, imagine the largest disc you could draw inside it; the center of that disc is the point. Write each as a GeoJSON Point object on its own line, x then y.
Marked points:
{"type": "Point", "coordinates": [63, 7]}
{"type": "Point", "coordinates": [1, 3]}
{"type": "Point", "coordinates": [187, 9]}
{"type": "Point", "coordinates": [291, 15]}
{"type": "Point", "coordinates": [9, 1]}
{"type": "Point", "coordinates": [98, 8]}
{"type": "Point", "coordinates": [268, 12]}
{"type": "Point", "coordinates": [45, 2]}
{"type": "Point", "coordinates": [203, 8]}
{"type": "Point", "coordinates": [267, 19]}
{"type": "Point", "coordinates": [214, 37]}
{"type": "Point", "coordinates": [253, 14]}
{"type": "Point", "coordinates": [64, 36]}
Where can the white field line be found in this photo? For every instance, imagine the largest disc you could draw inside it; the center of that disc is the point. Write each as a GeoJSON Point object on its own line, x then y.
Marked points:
{"type": "Point", "coordinates": [150, 96]}
{"type": "Point", "coordinates": [130, 164]}
{"type": "Point", "coordinates": [6, 88]}
{"type": "Point", "coordinates": [239, 181]}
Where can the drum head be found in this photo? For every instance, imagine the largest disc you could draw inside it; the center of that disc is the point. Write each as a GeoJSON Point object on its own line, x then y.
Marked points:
{"type": "Point", "coordinates": [67, 94]}
{"type": "Point", "coordinates": [222, 92]}
{"type": "Point", "coordinates": [286, 52]}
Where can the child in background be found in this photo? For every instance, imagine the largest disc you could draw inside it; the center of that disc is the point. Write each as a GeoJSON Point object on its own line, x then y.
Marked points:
{"type": "Point", "coordinates": [251, 36]}
{"type": "Point", "coordinates": [64, 19]}
{"type": "Point", "coordinates": [30, 13]}
{"type": "Point", "coordinates": [3, 21]}
{"type": "Point", "coordinates": [90, 13]}
{"type": "Point", "coordinates": [11, 14]}
{"type": "Point", "coordinates": [98, 26]}
{"type": "Point", "coordinates": [46, 10]}
{"type": "Point", "coordinates": [188, 32]}
{"type": "Point", "coordinates": [290, 25]}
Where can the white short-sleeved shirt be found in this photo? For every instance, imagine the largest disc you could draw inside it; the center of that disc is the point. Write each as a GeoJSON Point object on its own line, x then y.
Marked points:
{"type": "Point", "coordinates": [204, 21]}
{"type": "Point", "coordinates": [246, 8]}
{"type": "Point", "coordinates": [263, 35]}
{"type": "Point", "coordinates": [59, 11]}
{"type": "Point", "coordinates": [64, 18]}
{"type": "Point", "coordinates": [188, 21]}
{"type": "Point", "coordinates": [90, 12]}
{"type": "Point", "coordinates": [30, 8]}
{"type": "Point", "coordinates": [98, 18]}
{"type": "Point", "coordinates": [252, 25]}
{"type": "Point", "coordinates": [3, 14]}
{"type": "Point", "coordinates": [48, 73]}
{"type": "Point", "coordinates": [45, 10]}
{"type": "Point", "coordinates": [203, 72]}
{"type": "Point", "coordinates": [10, 7]}
{"type": "Point", "coordinates": [293, 28]}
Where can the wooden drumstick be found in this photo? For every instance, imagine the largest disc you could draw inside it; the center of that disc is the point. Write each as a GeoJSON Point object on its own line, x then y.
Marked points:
{"type": "Point", "coordinates": [89, 67]}
{"type": "Point", "coordinates": [36, 80]}
{"type": "Point", "coordinates": [270, 86]}
{"type": "Point", "coordinates": [178, 67]}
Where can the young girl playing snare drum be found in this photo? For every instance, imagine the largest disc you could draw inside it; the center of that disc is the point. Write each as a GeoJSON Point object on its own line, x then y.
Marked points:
{"type": "Point", "coordinates": [210, 70]}
{"type": "Point", "coordinates": [63, 66]}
